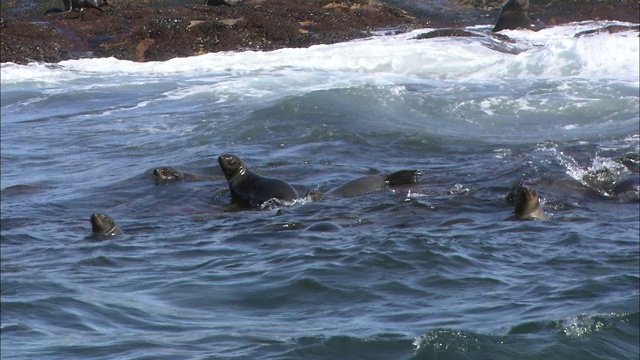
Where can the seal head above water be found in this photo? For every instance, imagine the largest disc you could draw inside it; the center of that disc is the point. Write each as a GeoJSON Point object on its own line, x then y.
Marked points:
{"type": "Point", "coordinates": [249, 189]}
{"type": "Point", "coordinates": [167, 174]}
{"type": "Point", "coordinates": [527, 205]}
{"type": "Point", "coordinates": [102, 226]}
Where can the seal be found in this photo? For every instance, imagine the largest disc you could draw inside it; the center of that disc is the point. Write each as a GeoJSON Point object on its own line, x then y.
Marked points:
{"type": "Point", "coordinates": [368, 184]}
{"type": "Point", "coordinates": [102, 225]}
{"type": "Point", "coordinates": [79, 4]}
{"type": "Point", "coordinates": [526, 203]}
{"type": "Point", "coordinates": [514, 15]}
{"type": "Point", "coordinates": [222, 2]}
{"type": "Point", "coordinates": [324, 226]}
{"type": "Point", "coordinates": [628, 189]}
{"type": "Point", "coordinates": [631, 161]}
{"type": "Point", "coordinates": [167, 174]}
{"type": "Point", "coordinates": [249, 189]}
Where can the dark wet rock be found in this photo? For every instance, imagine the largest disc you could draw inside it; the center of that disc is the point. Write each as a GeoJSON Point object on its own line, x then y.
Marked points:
{"type": "Point", "coordinates": [70, 5]}
{"type": "Point", "coordinates": [24, 42]}
{"type": "Point", "coordinates": [610, 29]}
{"type": "Point", "coordinates": [491, 40]}
{"type": "Point", "coordinates": [449, 32]}
{"type": "Point", "coordinates": [159, 30]}
{"type": "Point", "coordinates": [222, 2]}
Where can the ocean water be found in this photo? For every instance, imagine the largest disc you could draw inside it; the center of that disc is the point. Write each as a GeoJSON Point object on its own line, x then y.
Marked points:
{"type": "Point", "coordinates": [427, 271]}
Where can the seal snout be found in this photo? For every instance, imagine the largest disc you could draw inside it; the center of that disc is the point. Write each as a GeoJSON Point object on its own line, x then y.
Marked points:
{"type": "Point", "coordinates": [167, 173]}
{"type": "Point", "coordinates": [227, 159]}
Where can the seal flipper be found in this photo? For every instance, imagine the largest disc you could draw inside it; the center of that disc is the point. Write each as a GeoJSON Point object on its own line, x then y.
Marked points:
{"type": "Point", "coordinates": [511, 195]}
{"type": "Point", "coordinates": [402, 177]}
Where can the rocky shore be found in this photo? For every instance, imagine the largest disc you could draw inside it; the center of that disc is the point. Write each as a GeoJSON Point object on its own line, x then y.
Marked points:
{"type": "Point", "coordinates": [149, 30]}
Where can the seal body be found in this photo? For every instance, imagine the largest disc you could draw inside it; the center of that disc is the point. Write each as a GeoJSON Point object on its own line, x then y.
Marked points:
{"type": "Point", "coordinates": [514, 15]}
{"type": "Point", "coordinates": [249, 189]}
{"type": "Point", "coordinates": [370, 183]}
{"type": "Point", "coordinates": [628, 189]}
{"type": "Point", "coordinates": [102, 226]}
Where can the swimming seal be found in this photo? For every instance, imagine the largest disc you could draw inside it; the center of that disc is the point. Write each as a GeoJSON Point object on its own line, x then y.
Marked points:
{"type": "Point", "coordinates": [249, 189]}
{"type": "Point", "coordinates": [222, 2]}
{"type": "Point", "coordinates": [514, 15]}
{"type": "Point", "coordinates": [167, 174]}
{"type": "Point", "coordinates": [527, 203]}
{"type": "Point", "coordinates": [631, 161]}
{"type": "Point", "coordinates": [324, 226]}
{"type": "Point", "coordinates": [102, 225]}
{"type": "Point", "coordinates": [628, 189]}
{"type": "Point", "coordinates": [368, 184]}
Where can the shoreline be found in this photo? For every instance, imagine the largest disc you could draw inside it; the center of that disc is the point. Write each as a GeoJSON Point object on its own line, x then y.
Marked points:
{"type": "Point", "coordinates": [161, 30]}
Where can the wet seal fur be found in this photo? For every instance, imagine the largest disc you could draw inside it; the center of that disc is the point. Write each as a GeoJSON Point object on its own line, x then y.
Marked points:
{"type": "Point", "coordinates": [103, 226]}
{"type": "Point", "coordinates": [249, 189]}
{"type": "Point", "coordinates": [628, 189]}
{"type": "Point", "coordinates": [167, 174]}
{"type": "Point", "coordinates": [368, 184]}
{"type": "Point", "coordinates": [526, 203]}
{"type": "Point", "coordinates": [514, 15]}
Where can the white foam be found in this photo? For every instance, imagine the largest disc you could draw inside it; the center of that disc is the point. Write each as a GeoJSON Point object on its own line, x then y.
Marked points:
{"type": "Point", "coordinates": [380, 60]}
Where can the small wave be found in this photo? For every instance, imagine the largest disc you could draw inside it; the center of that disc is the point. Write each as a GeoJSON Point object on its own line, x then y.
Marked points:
{"type": "Point", "coordinates": [602, 175]}
{"type": "Point", "coordinates": [611, 336]}
{"type": "Point", "coordinates": [555, 52]}
{"type": "Point", "coordinates": [384, 346]}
